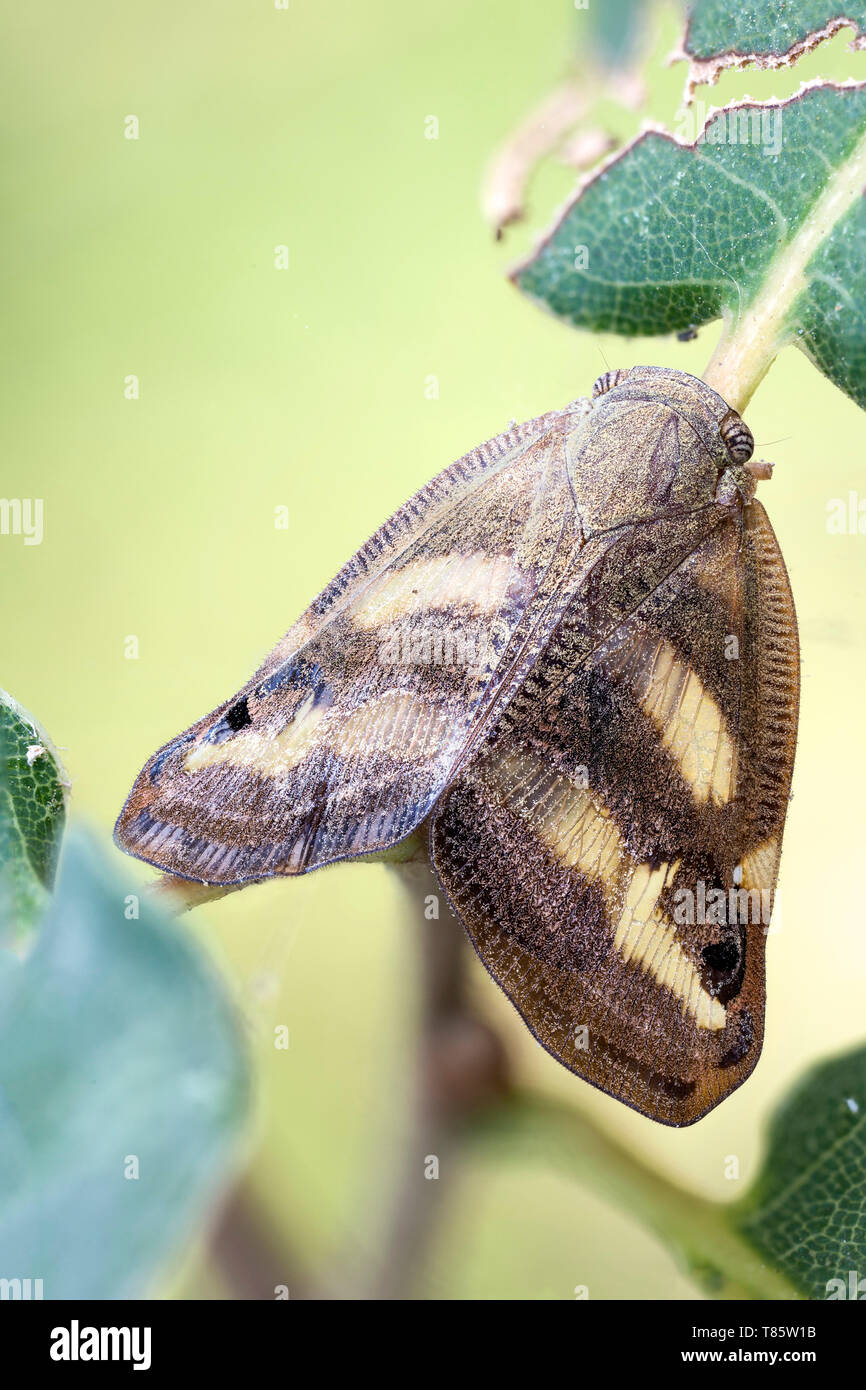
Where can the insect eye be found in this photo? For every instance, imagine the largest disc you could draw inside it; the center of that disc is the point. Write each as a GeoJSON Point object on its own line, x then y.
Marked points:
{"type": "Point", "coordinates": [737, 438]}
{"type": "Point", "coordinates": [608, 380]}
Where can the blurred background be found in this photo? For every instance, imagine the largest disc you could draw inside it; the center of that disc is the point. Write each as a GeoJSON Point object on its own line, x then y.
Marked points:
{"type": "Point", "coordinates": [317, 317]}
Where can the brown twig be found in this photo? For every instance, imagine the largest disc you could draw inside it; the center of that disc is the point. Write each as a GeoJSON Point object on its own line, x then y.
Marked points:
{"type": "Point", "coordinates": [460, 1068]}
{"type": "Point", "coordinates": [503, 194]}
{"type": "Point", "coordinates": [549, 128]}
{"type": "Point", "coordinates": [253, 1264]}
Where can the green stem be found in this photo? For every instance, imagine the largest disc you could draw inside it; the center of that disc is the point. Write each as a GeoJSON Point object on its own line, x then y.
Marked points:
{"type": "Point", "coordinates": [699, 1231]}
{"type": "Point", "coordinates": [751, 342]}
{"type": "Point", "coordinates": [465, 1091]}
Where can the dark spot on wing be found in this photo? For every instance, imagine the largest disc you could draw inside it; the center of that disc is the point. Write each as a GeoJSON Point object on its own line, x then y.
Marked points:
{"type": "Point", "coordinates": [238, 716]}
{"type": "Point", "coordinates": [223, 729]}
{"type": "Point", "coordinates": [722, 955]}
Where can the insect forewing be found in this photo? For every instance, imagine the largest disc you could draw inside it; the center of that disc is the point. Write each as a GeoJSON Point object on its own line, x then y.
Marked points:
{"type": "Point", "coordinates": [341, 742]}
{"type": "Point", "coordinates": [638, 780]}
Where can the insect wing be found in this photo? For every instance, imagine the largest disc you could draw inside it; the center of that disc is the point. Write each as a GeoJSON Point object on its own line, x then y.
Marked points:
{"type": "Point", "coordinates": [638, 781]}
{"type": "Point", "coordinates": [342, 741]}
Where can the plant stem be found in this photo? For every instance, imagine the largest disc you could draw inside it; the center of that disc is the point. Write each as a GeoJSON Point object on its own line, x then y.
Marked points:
{"type": "Point", "coordinates": [460, 1093]}
{"type": "Point", "coordinates": [751, 342]}
{"type": "Point", "coordinates": [700, 1232]}
{"type": "Point", "coordinates": [459, 1071]}
{"type": "Point", "coordinates": [251, 1261]}
{"type": "Point", "coordinates": [503, 194]}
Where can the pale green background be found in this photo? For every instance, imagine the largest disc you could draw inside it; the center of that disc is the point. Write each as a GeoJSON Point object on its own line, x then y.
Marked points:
{"type": "Point", "coordinates": [306, 388]}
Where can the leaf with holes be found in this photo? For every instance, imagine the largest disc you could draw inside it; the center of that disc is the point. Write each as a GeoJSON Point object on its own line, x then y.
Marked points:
{"type": "Point", "coordinates": [730, 34]}
{"type": "Point", "coordinates": [32, 814]}
{"type": "Point", "coordinates": [760, 222]}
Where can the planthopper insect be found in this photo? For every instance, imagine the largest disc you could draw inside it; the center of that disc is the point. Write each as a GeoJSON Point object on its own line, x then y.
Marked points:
{"type": "Point", "coordinates": [572, 659]}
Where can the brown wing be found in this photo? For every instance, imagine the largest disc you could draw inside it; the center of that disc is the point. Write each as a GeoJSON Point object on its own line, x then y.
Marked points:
{"type": "Point", "coordinates": [341, 742]}
{"type": "Point", "coordinates": [639, 779]}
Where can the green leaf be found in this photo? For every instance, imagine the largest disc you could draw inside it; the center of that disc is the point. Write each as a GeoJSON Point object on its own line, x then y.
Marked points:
{"type": "Point", "coordinates": [32, 814]}
{"type": "Point", "coordinates": [761, 220]}
{"type": "Point", "coordinates": [763, 30]}
{"type": "Point", "coordinates": [120, 1056]}
{"type": "Point", "coordinates": [807, 1209]}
